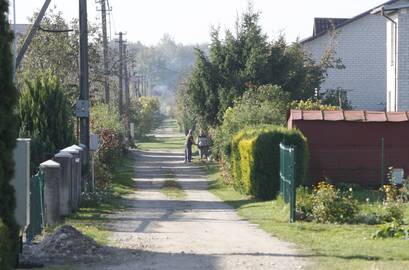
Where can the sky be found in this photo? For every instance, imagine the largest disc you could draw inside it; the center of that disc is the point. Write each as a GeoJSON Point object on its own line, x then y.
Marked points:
{"type": "Point", "coordinates": [189, 21]}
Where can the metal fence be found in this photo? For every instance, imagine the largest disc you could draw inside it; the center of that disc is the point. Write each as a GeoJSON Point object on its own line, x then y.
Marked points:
{"type": "Point", "coordinates": [287, 177]}
{"type": "Point", "coordinates": [36, 206]}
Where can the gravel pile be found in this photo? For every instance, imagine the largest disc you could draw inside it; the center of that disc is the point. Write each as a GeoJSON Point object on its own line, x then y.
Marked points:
{"type": "Point", "coordinates": [66, 244]}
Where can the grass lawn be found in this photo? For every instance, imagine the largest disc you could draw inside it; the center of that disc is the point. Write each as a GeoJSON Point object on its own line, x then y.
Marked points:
{"type": "Point", "coordinates": [92, 219]}
{"type": "Point", "coordinates": [343, 247]}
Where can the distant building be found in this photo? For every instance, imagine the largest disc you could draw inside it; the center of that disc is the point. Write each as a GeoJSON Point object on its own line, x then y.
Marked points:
{"type": "Point", "coordinates": [366, 46]}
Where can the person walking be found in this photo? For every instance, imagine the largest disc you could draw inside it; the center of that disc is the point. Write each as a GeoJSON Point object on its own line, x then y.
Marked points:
{"type": "Point", "coordinates": [188, 146]}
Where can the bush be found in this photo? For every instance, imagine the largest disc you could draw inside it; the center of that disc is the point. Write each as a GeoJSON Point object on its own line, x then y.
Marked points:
{"type": "Point", "coordinates": [145, 113]}
{"type": "Point", "coordinates": [255, 158]}
{"type": "Point", "coordinates": [8, 135]}
{"type": "Point", "coordinates": [106, 123]}
{"type": "Point", "coordinates": [304, 203]}
{"type": "Point", "coordinates": [266, 105]}
{"type": "Point", "coordinates": [330, 205]}
{"type": "Point", "coordinates": [46, 117]}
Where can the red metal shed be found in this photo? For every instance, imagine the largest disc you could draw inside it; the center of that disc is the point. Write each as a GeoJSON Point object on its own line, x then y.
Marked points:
{"type": "Point", "coordinates": [346, 146]}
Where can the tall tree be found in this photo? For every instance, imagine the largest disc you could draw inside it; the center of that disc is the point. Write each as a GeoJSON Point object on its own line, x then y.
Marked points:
{"type": "Point", "coordinates": [8, 135]}
{"type": "Point", "coordinates": [45, 116]}
{"type": "Point", "coordinates": [245, 60]}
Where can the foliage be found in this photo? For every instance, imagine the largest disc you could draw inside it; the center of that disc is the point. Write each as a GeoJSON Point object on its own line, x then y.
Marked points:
{"type": "Point", "coordinates": [105, 122]}
{"type": "Point", "coordinates": [304, 203]}
{"type": "Point", "coordinates": [184, 115]}
{"type": "Point", "coordinates": [59, 53]}
{"type": "Point", "coordinates": [311, 105]}
{"type": "Point", "coordinates": [336, 97]}
{"type": "Point", "coordinates": [46, 117]}
{"type": "Point", "coordinates": [330, 205]}
{"type": "Point", "coordinates": [264, 105]}
{"type": "Point", "coordinates": [246, 60]}
{"type": "Point", "coordinates": [145, 113]}
{"type": "Point", "coordinates": [393, 229]}
{"type": "Point", "coordinates": [255, 159]}
{"type": "Point", "coordinates": [8, 135]}
{"type": "Point", "coordinates": [97, 197]}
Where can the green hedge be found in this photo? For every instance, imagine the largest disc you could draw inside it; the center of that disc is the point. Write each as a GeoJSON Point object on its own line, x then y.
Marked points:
{"type": "Point", "coordinates": [255, 159]}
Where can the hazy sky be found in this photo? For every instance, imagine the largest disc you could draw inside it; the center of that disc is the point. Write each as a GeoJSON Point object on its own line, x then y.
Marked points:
{"type": "Point", "coordinates": [189, 21]}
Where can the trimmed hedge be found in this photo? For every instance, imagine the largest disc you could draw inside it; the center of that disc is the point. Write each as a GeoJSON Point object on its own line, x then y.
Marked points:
{"type": "Point", "coordinates": [255, 159]}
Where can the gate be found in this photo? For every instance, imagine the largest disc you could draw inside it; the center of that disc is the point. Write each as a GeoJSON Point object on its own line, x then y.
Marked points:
{"type": "Point", "coordinates": [287, 177]}
{"type": "Point", "coordinates": [36, 206]}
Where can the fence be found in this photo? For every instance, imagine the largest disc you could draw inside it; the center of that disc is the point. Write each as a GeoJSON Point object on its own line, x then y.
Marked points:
{"type": "Point", "coordinates": [36, 206]}
{"type": "Point", "coordinates": [287, 177]}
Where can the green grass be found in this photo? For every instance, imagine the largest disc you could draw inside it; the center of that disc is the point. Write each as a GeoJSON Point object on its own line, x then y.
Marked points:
{"type": "Point", "coordinates": [343, 247]}
{"type": "Point", "coordinates": [171, 188]}
{"type": "Point", "coordinates": [172, 143]}
{"type": "Point", "coordinates": [92, 220]}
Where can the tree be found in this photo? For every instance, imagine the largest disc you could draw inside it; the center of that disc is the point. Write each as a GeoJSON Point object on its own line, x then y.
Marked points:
{"type": "Point", "coordinates": [263, 105]}
{"type": "Point", "coordinates": [8, 135]}
{"type": "Point", "coordinates": [246, 60]}
{"type": "Point", "coordinates": [59, 53]}
{"type": "Point", "coordinates": [202, 89]}
{"type": "Point", "coordinates": [45, 116]}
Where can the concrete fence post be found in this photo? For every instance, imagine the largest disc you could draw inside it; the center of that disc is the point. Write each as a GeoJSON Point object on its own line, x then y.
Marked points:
{"type": "Point", "coordinates": [65, 159]}
{"type": "Point", "coordinates": [52, 178]}
{"type": "Point", "coordinates": [82, 165]}
{"type": "Point", "coordinates": [76, 177]}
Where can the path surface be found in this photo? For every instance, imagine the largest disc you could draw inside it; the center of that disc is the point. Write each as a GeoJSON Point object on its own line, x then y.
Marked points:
{"type": "Point", "coordinates": [198, 232]}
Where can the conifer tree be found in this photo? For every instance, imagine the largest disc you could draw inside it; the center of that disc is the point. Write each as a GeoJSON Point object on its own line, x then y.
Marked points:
{"type": "Point", "coordinates": [8, 135]}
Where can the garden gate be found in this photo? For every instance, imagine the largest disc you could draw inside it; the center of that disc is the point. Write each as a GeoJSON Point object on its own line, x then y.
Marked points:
{"type": "Point", "coordinates": [287, 177]}
{"type": "Point", "coordinates": [36, 206]}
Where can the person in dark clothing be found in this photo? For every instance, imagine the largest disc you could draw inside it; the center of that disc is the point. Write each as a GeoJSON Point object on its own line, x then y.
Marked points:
{"type": "Point", "coordinates": [203, 145]}
{"type": "Point", "coordinates": [188, 146]}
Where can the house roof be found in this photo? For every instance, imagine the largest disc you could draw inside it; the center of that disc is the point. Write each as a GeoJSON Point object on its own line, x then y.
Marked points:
{"type": "Point", "coordinates": [345, 22]}
{"type": "Point", "coordinates": [325, 24]}
{"type": "Point", "coordinates": [351, 116]}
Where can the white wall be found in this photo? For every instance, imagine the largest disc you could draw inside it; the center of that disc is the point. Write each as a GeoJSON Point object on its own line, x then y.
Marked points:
{"type": "Point", "coordinates": [361, 46]}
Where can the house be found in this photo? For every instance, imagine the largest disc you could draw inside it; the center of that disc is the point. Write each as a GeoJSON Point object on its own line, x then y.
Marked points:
{"type": "Point", "coordinates": [374, 48]}
{"type": "Point", "coordinates": [353, 146]}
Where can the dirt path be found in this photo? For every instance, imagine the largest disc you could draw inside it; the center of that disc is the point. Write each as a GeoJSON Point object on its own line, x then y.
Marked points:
{"type": "Point", "coordinates": [198, 232]}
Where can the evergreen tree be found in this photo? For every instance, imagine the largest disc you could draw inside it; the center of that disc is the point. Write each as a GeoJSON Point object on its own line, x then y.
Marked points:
{"type": "Point", "coordinates": [8, 135]}
{"type": "Point", "coordinates": [246, 60]}
{"type": "Point", "coordinates": [46, 117]}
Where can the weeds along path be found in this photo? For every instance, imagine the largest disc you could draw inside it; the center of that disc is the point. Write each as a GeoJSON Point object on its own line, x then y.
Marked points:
{"type": "Point", "coordinates": [191, 230]}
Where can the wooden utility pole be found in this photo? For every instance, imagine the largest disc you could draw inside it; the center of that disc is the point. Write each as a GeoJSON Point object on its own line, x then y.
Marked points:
{"type": "Point", "coordinates": [105, 49]}
{"type": "Point", "coordinates": [126, 92]}
{"type": "Point", "coordinates": [84, 77]}
{"type": "Point", "coordinates": [120, 73]}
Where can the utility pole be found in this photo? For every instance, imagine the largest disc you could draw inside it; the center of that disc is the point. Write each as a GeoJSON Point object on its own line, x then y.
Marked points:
{"type": "Point", "coordinates": [105, 49]}
{"type": "Point", "coordinates": [127, 99]}
{"type": "Point", "coordinates": [120, 73]}
{"type": "Point", "coordinates": [83, 104]}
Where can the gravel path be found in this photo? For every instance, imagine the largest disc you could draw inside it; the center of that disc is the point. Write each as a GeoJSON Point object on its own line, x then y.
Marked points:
{"type": "Point", "coordinates": [198, 232]}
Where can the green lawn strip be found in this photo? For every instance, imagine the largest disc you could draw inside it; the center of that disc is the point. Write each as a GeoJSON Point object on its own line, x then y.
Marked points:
{"type": "Point", "coordinates": [168, 143]}
{"type": "Point", "coordinates": [92, 220]}
{"type": "Point", "coordinates": [171, 188]}
{"type": "Point", "coordinates": [328, 246]}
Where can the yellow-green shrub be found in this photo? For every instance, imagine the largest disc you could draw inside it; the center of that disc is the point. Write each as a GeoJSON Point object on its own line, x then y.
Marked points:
{"type": "Point", "coordinates": [255, 158]}
{"type": "Point", "coordinates": [246, 163]}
